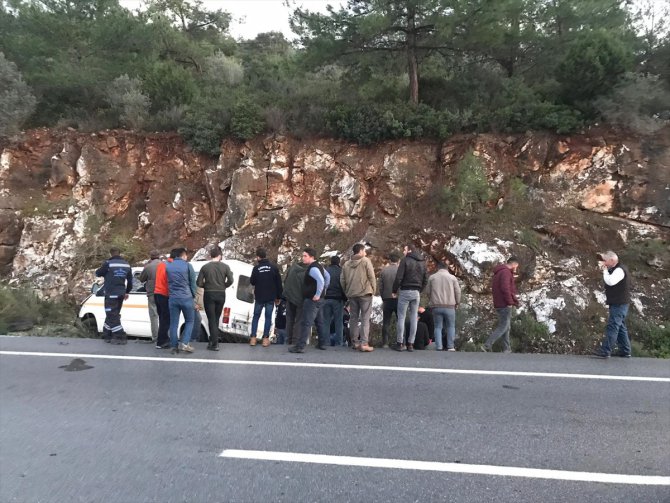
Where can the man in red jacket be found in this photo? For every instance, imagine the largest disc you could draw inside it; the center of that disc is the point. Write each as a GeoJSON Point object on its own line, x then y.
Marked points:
{"type": "Point", "coordinates": [504, 298]}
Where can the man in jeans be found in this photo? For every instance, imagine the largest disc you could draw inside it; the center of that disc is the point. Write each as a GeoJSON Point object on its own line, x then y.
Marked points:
{"type": "Point", "coordinates": [148, 277]}
{"type": "Point", "coordinates": [444, 296]}
{"type": "Point", "coordinates": [181, 284]}
{"type": "Point", "coordinates": [214, 278]}
{"type": "Point", "coordinates": [267, 293]}
{"type": "Point", "coordinates": [617, 294]}
{"type": "Point", "coordinates": [333, 306]}
{"type": "Point", "coordinates": [504, 299]}
{"type": "Point", "coordinates": [358, 282]}
{"type": "Point", "coordinates": [389, 299]}
{"type": "Point", "coordinates": [314, 284]}
{"type": "Point", "coordinates": [410, 280]}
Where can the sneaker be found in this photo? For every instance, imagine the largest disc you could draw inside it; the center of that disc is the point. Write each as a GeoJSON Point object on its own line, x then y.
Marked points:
{"type": "Point", "coordinates": [366, 348]}
{"type": "Point", "coordinates": [438, 349]}
{"type": "Point", "coordinates": [399, 347]}
{"type": "Point", "coordinates": [252, 341]}
{"type": "Point", "coordinates": [507, 351]}
{"type": "Point", "coordinates": [356, 347]}
{"type": "Point", "coordinates": [266, 342]}
{"type": "Point", "coordinates": [186, 348]}
{"type": "Point", "coordinates": [600, 354]}
{"type": "Point", "coordinates": [410, 347]}
{"type": "Point", "coordinates": [484, 348]}
{"type": "Point", "coordinates": [213, 348]}
{"type": "Point", "coordinates": [174, 351]}
{"type": "Point", "coordinates": [165, 345]}
{"type": "Point", "coordinates": [296, 349]}
{"type": "Point", "coordinates": [451, 349]}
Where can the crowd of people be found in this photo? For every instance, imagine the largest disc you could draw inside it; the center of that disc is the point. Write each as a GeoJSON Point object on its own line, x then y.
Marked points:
{"type": "Point", "coordinates": [336, 300]}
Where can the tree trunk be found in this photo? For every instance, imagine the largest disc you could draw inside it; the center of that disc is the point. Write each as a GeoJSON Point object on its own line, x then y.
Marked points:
{"type": "Point", "coordinates": [412, 64]}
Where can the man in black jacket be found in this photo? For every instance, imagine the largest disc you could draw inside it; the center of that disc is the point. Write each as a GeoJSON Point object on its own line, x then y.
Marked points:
{"type": "Point", "coordinates": [118, 284]}
{"type": "Point", "coordinates": [410, 280]}
{"type": "Point", "coordinates": [266, 280]}
{"type": "Point", "coordinates": [333, 306]}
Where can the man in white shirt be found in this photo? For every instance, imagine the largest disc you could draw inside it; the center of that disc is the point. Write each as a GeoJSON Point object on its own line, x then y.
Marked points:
{"type": "Point", "coordinates": [617, 293]}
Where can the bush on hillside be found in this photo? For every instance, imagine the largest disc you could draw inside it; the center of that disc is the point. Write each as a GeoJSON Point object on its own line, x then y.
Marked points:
{"type": "Point", "coordinates": [125, 96]}
{"type": "Point", "coordinates": [639, 102]}
{"type": "Point", "coordinates": [21, 309]}
{"type": "Point", "coordinates": [17, 102]}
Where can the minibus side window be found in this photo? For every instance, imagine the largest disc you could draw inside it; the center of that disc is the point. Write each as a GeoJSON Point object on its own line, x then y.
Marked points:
{"type": "Point", "coordinates": [138, 286]}
{"type": "Point", "coordinates": [245, 292]}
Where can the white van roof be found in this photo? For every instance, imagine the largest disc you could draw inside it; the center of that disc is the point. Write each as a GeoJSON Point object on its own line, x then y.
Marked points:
{"type": "Point", "coordinates": [235, 265]}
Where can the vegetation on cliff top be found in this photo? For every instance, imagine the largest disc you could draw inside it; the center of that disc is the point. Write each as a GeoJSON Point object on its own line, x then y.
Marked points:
{"type": "Point", "coordinates": [370, 71]}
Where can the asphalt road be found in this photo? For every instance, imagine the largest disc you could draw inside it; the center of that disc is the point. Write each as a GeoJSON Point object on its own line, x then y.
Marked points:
{"type": "Point", "coordinates": [152, 430]}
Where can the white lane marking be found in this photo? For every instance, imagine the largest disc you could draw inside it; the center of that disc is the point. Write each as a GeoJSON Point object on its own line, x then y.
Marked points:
{"type": "Point", "coordinates": [435, 466]}
{"type": "Point", "coordinates": [428, 370]}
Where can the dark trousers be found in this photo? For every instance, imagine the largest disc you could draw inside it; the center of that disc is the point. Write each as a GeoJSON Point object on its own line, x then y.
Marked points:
{"type": "Point", "coordinates": [333, 319]}
{"type": "Point", "coordinates": [163, 308]}
{"type": "Point", "coordinates": [293, 321]}
{"type": "Point", "coordinates": [311, 315]}
{"type": "Point", "coordinates": [112, 326]}
{"type": "Point", "coordinates": [214, 302]}
{"type": "Point", "coordinates": [389, 310]}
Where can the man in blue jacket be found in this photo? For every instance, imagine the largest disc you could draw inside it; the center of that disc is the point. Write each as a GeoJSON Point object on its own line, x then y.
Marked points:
{"type": "Point", "coordinates": [266, 280]}
{"type": "Point", "coordinates": [181, 283]}
{"type": "Point", "coordinates": [118, 284]}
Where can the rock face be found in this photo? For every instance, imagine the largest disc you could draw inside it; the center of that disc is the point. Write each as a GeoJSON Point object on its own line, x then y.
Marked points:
{"type": "Point", "coordinates": [64, 194]}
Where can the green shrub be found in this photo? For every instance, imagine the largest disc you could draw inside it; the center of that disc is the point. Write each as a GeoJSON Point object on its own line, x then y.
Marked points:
{"type": "Point", "coordinates": [125, 96]}
{"type": "Point", "coordinates": [637, 254]}
{"type": "Point", "coordinates": [636, 103]}
{"type": "Point", "coordinates": [16, 100]}
{"type": "Point", "coordinates": [246, 119]}
{"type": "Point", "coordinates": [650, 338]}
{"type": "Point", "coordinates": [21, 309]}
{"type": "Point", "coordinates": [592, 66]}
{"type": "Point", "coordinates": [168, 85]}
{"type": "Point", "coordinates": [518, 108]}
{"type": "Point", "coordinates": [527, 335]}
{"type": "Point", "coordinates": [471, 188]}
{"type": "Point", "coordinates": [372, 123]}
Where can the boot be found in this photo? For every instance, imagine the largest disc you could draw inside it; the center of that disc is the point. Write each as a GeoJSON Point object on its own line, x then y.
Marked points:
{"type": "Point", "coordinates": [252, 341]}
{"type": "Point", "coordinates": [410, 347]}
{"type": "Point", "coordinates": [120, 339]}
{"type": "Point", "coordinates": [266, 342]}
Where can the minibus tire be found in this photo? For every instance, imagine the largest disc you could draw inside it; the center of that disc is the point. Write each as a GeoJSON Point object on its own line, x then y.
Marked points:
{"type": "Point", "coordinates": [90, 326]}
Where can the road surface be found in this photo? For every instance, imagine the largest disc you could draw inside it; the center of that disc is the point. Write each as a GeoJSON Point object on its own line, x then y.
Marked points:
{"type": "Point", "coordinates": [136, 424]}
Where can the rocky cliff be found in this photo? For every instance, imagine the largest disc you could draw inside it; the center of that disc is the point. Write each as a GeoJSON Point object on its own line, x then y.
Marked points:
{"type": "Point", "coordinates": [553, 201]}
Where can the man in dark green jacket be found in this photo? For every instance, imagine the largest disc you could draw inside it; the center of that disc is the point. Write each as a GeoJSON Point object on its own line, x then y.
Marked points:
{"type": "Point", "coordinates": [295, 277]}
{"type": "Point", "coordinates": [214, 278]}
